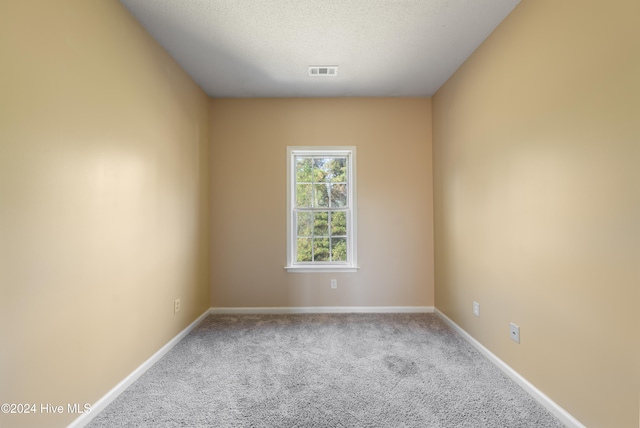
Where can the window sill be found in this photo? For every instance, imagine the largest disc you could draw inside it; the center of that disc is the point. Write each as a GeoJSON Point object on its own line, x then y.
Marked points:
{"type": "Point", "coordinates": [334, 268]}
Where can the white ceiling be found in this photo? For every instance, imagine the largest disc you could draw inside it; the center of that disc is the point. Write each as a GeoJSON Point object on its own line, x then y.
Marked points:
{"type": "Point", "coordinates": [262, 48]}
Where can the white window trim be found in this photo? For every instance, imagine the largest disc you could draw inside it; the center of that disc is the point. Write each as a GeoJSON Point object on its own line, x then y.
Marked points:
{"type": "Point", "coordinates": [292, 264]}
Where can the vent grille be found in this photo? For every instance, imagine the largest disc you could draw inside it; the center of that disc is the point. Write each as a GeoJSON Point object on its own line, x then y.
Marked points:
{"type": "Point", "coordinates": [323, 70]}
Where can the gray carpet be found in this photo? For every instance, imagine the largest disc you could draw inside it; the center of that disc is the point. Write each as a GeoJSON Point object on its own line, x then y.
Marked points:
{"type": "Point", "coordinates": [324, 370]}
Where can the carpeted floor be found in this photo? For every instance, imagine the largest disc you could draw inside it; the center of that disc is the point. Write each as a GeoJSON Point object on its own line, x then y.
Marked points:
{"type": "Point", "coordinates": [324, 370]}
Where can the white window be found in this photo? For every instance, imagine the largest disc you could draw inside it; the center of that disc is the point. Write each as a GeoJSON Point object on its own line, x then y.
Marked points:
{"type": "Point", "coordinates": [321, 209]}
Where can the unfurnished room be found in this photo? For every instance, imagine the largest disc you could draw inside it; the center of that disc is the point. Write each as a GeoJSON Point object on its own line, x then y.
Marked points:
{"type": "Point", "coordinates": [296, 213]}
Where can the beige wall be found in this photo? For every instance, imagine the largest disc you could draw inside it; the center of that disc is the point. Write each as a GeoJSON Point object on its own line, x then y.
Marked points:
{"type": "Point", "coordinates": [395, 240]}
{"type": "Point", "coordinates": [537, 201]}
{"type": "Point", "coordinates": [104, 193]}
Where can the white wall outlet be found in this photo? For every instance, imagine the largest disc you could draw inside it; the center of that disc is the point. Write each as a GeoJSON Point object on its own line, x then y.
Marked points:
{"type": "Point", "coordinates": [476, 309]}
{"type": "Point", "coordinates": [334, 283]}
{"type": "Point", "coordinates": [176, 306]}
{"type": "Point", "coordinates": [515, 332]}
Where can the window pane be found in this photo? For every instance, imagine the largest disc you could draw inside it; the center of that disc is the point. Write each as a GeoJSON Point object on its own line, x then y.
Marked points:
{"type": "Point", "coordinates": [320, 249]}
{"type": "Point", "coordinates": [338, 223]}
{"type": "Point", "coordinates": [305, 224]}
{"type": "Point", "coordinates": [339, 170]}
{"type": "Point", "coordinates": [304, 250]}
{"type": "Point", "coordinates": [303, 170]}
{"type": "Point", "coordinates": [322, 170]}
{"type": "Point", "coordinates": [321, 207]}
{"type": "Point", "coordinates": [321, 223]}
{"type": "Point", "coordinates": [338, 195]}
{"type": "Point", "coordinates": [303, 195]}
{"type": "Point", "coordinates": [321, 195]}
{"type": "Point", "coordinates": [339, 249]}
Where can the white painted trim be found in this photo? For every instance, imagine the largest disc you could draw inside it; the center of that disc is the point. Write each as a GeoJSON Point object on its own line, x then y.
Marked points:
{"type": "Point", "coordinates": [329, 268]}
{"type": "Point", "coordinates": [103, 402]}
{"type": "Point", "coordinates": [564, 416]}
{"type": "Point", "coordinates": [352, 210]}
{"type": "Point", "coordinates": [324, 310]}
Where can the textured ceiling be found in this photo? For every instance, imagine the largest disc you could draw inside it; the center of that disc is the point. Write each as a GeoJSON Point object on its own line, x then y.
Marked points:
{"type": "Point", "coordinates": [262, 48]}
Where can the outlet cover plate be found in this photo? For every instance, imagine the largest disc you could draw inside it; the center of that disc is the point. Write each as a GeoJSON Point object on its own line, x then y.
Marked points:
{"type": "Point", "coordinates": [476, 309]}
{"type": "Point", "coordinates": [515, 332]}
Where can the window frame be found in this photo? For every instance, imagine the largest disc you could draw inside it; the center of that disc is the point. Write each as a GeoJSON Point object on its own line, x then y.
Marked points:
{"type": "Point", "coordinates": [351, 265]}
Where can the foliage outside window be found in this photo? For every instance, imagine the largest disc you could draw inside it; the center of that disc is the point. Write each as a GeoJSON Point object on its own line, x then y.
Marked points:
{"type": "Point", "coordinates": [321, 205]}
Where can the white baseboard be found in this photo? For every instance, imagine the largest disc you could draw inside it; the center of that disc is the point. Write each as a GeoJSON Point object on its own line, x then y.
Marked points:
{"type": "Point", "coordinates": [323, 310]}
{"type": "Point", "coordinates": [538, 395]}
{"type": "Point", "coordinates": [103, 402]}
{"type": "Point", "coordinates": [564, 416]}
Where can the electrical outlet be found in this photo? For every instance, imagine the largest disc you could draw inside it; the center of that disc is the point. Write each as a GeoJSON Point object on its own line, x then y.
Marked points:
{"type": "Point", "coordinates": [476, 309]}
{"type": "Point", "coordinates": [176, 306]}
{"type": "Point", "coordinates": [515, 332]}
{"type": "Point", "coordinates": [334, 283]}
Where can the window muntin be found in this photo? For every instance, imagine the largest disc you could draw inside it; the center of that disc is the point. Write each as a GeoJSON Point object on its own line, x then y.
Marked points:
{"type": "Point", "coordinates": [321, 193]}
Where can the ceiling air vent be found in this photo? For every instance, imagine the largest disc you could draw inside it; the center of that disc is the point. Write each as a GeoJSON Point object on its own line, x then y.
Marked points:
{"type": "Point", "coordinates": [323, 70]}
